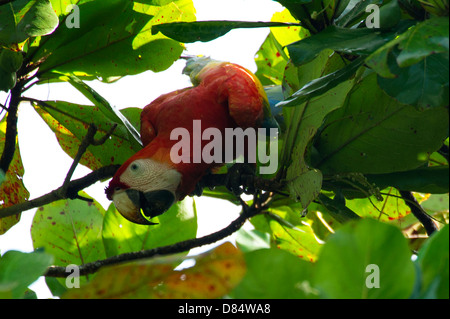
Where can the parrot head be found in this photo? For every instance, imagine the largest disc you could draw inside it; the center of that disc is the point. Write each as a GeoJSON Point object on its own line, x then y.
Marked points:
{"type": "Point", "coordinates": [153, 190]}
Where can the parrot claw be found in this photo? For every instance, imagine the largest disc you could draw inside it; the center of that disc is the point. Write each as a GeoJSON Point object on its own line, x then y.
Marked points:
{"type": "Point", "coordinates": [198, 190]}
{"type": "Point", "coordinates": [234, 181]}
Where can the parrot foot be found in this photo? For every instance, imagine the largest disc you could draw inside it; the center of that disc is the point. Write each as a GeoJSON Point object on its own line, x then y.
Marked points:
{"type": "Point", "coordinates": [239, 179]}
{"type": "Point", "coordinates": [198, 190]}
{"type": "Point", "coordinates": [205, 181]}
{"type": "Point", "coordinates": [234, 182]}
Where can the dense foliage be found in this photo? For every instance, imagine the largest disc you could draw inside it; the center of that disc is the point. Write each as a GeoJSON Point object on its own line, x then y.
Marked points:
{"type": "Point", "coordinates": [360, 97]}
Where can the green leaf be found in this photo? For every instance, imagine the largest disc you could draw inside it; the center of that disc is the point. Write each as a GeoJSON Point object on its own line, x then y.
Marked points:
{"type": "Point", "coordinates": [2, 177]}
{"type": "Point", "coordinates": [424, 84]}
{"type": "Point", "coordinates": [272, 57]}
{"type": "Point", "coordinates": [107, 109]}
{"type": "Point", "coordinates": [62, 7]}
{"type": "Point", "coordinates": [351, 41]}
{"type": "Point", "coordinates": [433, 179]}
{"type": "Point", "coordinates": [436, 203]}
{"type": "Point", "coordinates": [179, 223]}
{"type": "Point", "coordinates": [314, 15]}
{"type": "Point", "coordinates": [305, 183]}
{"type": "Point", "coordinates": [205, 31]}
{"type": "Point", "coordinates": [289, 231]}
{"type": "Point", "coordinates": [18, 270]}
{"type": "Point", "coordinates": [304, 120]}
{"type": "Point", "coordinates": [7, 80]}
{"type": "Point", "coordinates": [22, 19]}
{"type": "Point", "coordinates": [321, 85]}
{"type": "Point", "coordinates": [249, 240]}
{"type": "Point", "coordinates": [433, 259]}
{"type": "Point", "coordinates": [389, 13]}
{"type": "Point", "coordinates": [419, 41]}
{"type": "Point", "coordinates": [55, 286]}
{"type": "Point", "coordinates": [10, 61]}
{"type": "Point", "coordinates": [270, 62]}
{"type": "Point", "coordinates": [435, 7]}
{"type": "Point", "coordinates": [353, 12]}
{"type": "Point", "coordinates": [413, 68]}
{"type": "Point", "coordinates": [337, 209]}
{"type": "Point", "coordinates": [289, 34]}
{"type": "Point", "coordinates": [114, 40]}
{"type": "Point", "coordinates": [374, 134]}
{"type": "Point", "coordinates": [353, 258]}
{"type": "Point", "coordinates": [342, 6]}
{"type": "Point", "coordinates": [294, 79]}
{"type": "Point", "coordinates": [390, 208]}
{"type": "Point", "coordinates": [289, 277]}
{"type": "Point", "coordinates": [426, 38]}
{"type": "Point", "coordinates": [414, 9]}
{"type": "Point", "coordinates": [70, 230]}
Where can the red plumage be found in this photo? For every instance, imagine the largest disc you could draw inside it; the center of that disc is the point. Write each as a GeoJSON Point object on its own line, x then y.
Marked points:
{"type": "Point", "coordinates": [226, 96]}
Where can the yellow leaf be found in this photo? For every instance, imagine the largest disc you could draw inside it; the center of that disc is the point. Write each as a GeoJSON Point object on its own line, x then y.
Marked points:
{"type": "Point", "coordinates": [12, 189]}
{"type": "Point", "coordinates": [214, 275]}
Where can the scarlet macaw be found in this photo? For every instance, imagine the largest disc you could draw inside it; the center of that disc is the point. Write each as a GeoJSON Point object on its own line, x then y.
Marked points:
{"type": "Point", "coordinates": [224, 95]}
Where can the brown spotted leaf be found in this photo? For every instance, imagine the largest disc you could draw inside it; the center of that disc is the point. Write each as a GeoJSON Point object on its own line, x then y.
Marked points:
{"type": "Point", "coordinates": [70, 230]}
{"type": "Point", "coordinates": [12, 189]}
{"type": "Point", "coordinates": [392, 207]}
{"type": "Point", "coordinates": [70, 122]}
{"type": "Point", "coordinates": [214, 275]}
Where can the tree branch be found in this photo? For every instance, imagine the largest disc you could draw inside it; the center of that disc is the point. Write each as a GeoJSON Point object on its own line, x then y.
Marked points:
{"type": "Point", "coordinates": [3, 2]}
{"type": "Point", "coordinates": [69, 189]}
{"type": "Point", "coordinates": [11, 130]}
{"type": "Point", "coordinates": [259, 203]}
{"type": "Point", "coordinates": [419, 212]}
{"type": "Point", "coordinates": [73, 188]}
{"type": "Point", "coordinates": [87, 140]}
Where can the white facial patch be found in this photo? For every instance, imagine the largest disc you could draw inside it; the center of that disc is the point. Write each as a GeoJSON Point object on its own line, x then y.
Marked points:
{"type": "Point", "coordinates": [148, 175]}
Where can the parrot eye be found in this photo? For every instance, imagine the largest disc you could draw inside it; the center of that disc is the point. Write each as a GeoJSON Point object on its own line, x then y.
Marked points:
{"type": "Point", "coordinates": [134, 167]}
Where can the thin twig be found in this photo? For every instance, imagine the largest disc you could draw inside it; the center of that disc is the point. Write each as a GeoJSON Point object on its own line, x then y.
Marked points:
{"type": "Point", "coordinates": [85, 143]}
{"type": "Point", "coordinates": [259, 204]}
{"type": "Point", "coordinates": [3, 2]}
{"type": "Point", "coordinates": [11, 130]}
{"type": "Point", "coordinates": [81, 150]}
{"type": "Point", "coordinates": [419, 212]}
{"type": "Point", "coordinates": [71, 193]}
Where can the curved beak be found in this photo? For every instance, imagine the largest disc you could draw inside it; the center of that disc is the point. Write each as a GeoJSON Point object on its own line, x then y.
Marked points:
{"type": "Point", "coordinates": [133, 204]}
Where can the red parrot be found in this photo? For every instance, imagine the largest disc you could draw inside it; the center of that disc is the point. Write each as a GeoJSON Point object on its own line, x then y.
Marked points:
{"type": "Point", "coordinates": [224, 95]}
